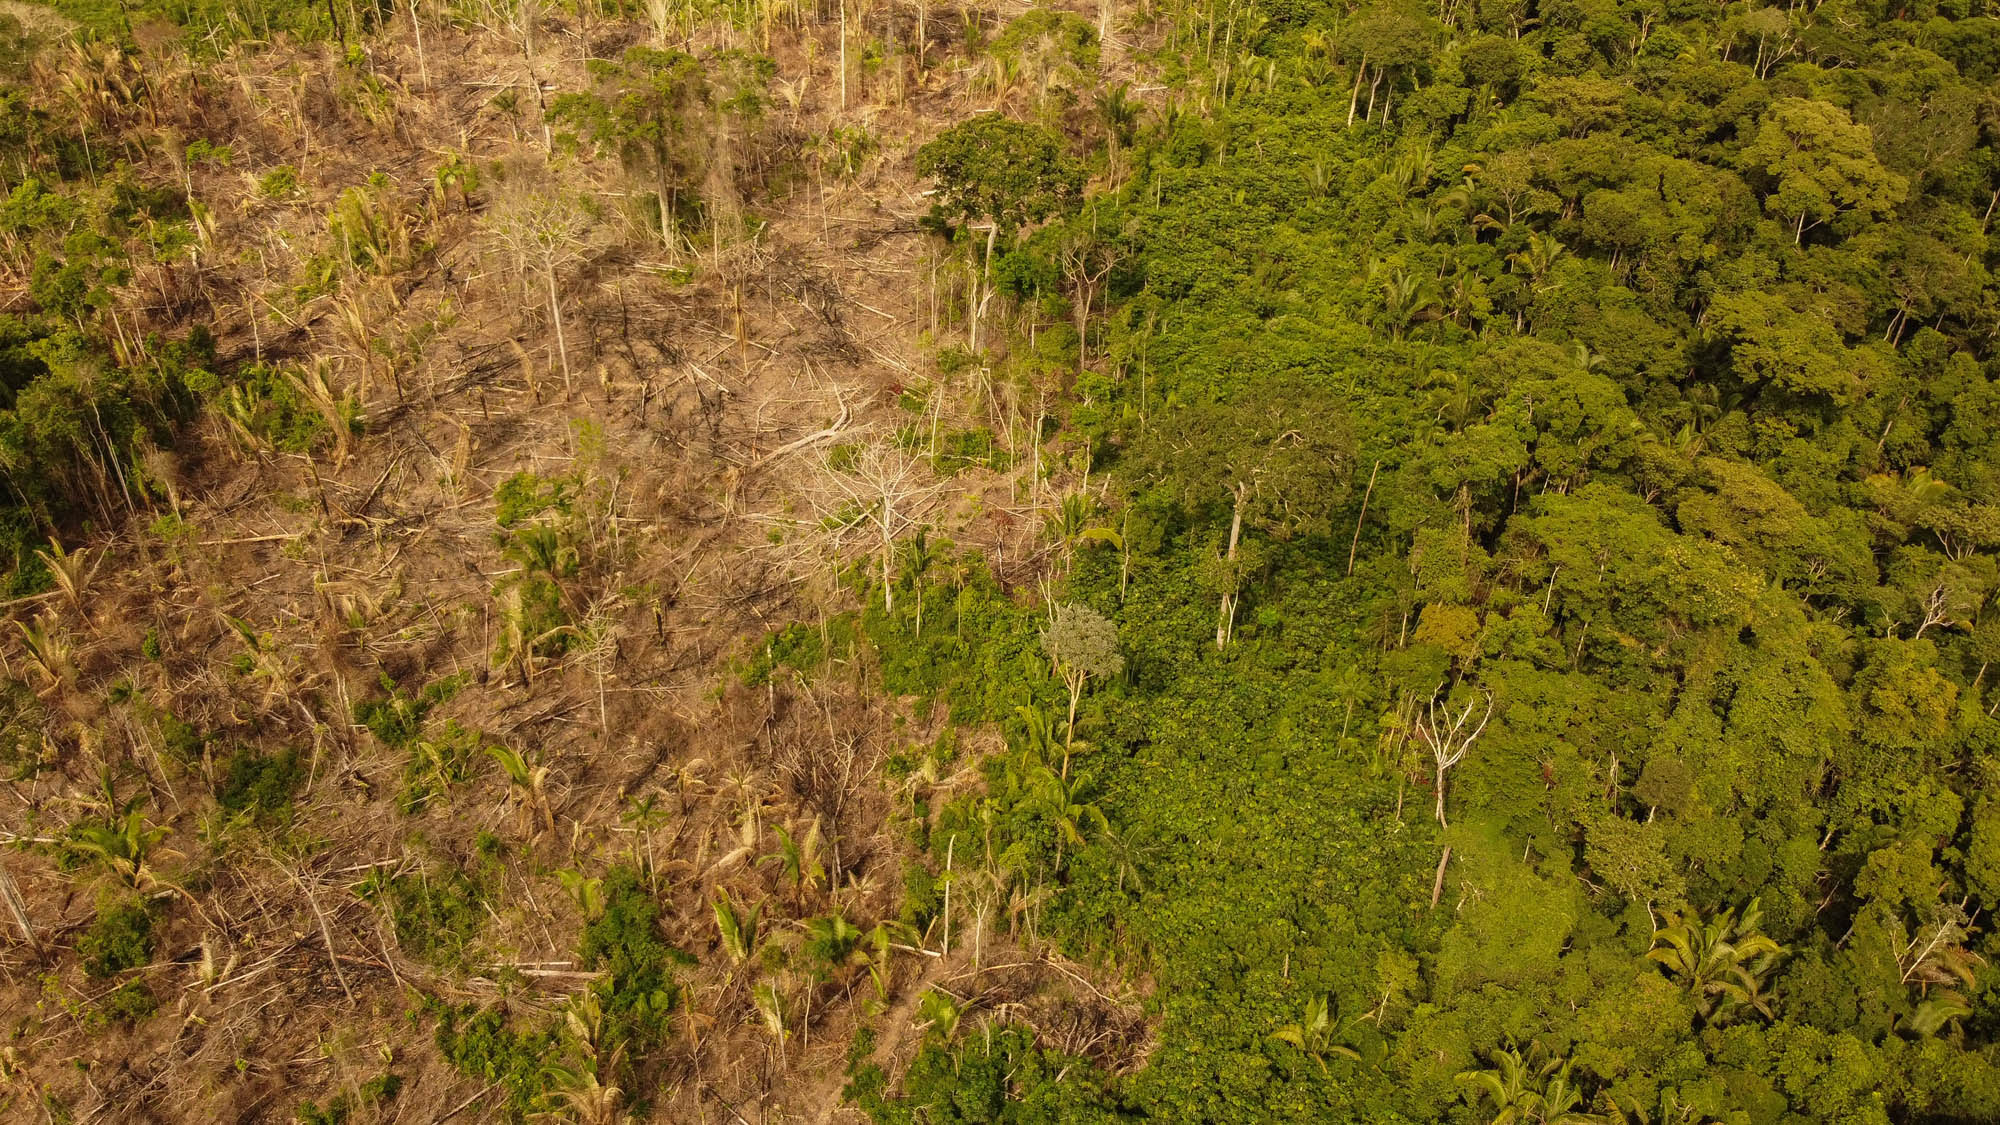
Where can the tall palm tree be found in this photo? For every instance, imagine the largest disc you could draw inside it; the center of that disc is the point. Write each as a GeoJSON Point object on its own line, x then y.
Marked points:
{"type": "Point", "coordinates": [1405, 296]}
{"type": "Point", "coordinates": [878, 944]}
{"type": "Point", "coordinates": [1067, 805]}
{"type": "Point", "coordinates": [832, 941]}
{"type": "Point", "coordinates": [941, 1012]}
{"type": "Point", "coordinates": [68, 570]}
{"type": "Point", "coordinates": [1535, 260]}
{"type": "Point", "coordinates": [920, 554]}
{"type": "Point", "coordinates": [1723, 962]}
{"type": "Point", "coordinates": [773, 1014]}
{"type": "Point", "coordinates": [1528, 1088]}
{"type": "Point", "coordinates": [49, 650]}
{"type": "Point", "coordinates": [1127, 851]}
{"type": "Point", "coordinates": [1120, 113]}
{"type": "Point", "coordinates": [587, 891]}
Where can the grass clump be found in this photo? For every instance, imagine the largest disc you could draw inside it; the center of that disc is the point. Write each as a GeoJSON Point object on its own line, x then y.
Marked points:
{"type": "Point", "coordinates": [480, 1044]}
{"type": "Point", "coordinates": [397, 719]}
{"type": "Point", "coordinates": [127, 1004]}
{"type": "Point", "coordinates": [339, 1109]}
{"type": "Point", "coordinates": [21, 744]}
{"type": "Point", "coordinates": [437, 762]}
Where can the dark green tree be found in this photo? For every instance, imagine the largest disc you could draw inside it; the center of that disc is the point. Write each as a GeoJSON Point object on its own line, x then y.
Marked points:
{"type": "Point", "coordinates": [1005, 173]}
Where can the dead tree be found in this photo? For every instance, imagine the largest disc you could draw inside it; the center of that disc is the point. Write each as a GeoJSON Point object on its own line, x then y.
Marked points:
{"type": "Point", "coordinates": [889, 487]}
{"type": "Point", "coordinates": [1450, 737]}
{"type": "Point", "coordinates": [544, 230]}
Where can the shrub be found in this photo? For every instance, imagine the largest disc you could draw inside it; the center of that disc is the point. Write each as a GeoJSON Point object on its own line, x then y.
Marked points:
{"type": "Point", "coordinates": [258, 784]}
{"type": "Point", "coordinates": [437, 912]}
{"type": "Point", "coordinates": [478, 1042]}
{"type": "Point", "coordinates": [119, 940]}
{"type": "Point", "coordinates": [437, 762]}
{"type": "Point", "coordinates": [524, 496]}
{"type": "Point", "coordinates": [21, 717]}
{"type": "Point", "coordinates": [640, 993]}
{"type": "Point", "coordinates": [271, 405]}
{"type": "Point", "coordinates": [339, 1109]}
{"type": "Point", "coordinates": [182, 740]}
{"type": "Point", "coordinates": [128, 1003]}
{"type": "Point", "coordinates": [281, 182]}
{"type": "Point", "coordinates": [398, 719]}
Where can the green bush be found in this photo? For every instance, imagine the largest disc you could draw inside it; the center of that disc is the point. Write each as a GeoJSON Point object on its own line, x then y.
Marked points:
{"type": "Point", "coordinates": [397, 719]}
{"type": "Point", "coordinates": [437, 911]}
{"type": "Point", "coordinates": [120, 939]}
{"type": "Point", "coordinates": [339, 1108]}
{"type": "Point", "coordinates": [271, 406]}
{"type": "Point", "coordinates": [259, 784]}
{"type": "Point", "coordinates": [640, 992]}
{"type": "Point", "coordinates": [479, 1043]}
{"type": "Point", "coordinates": [281, 182]}
{"type": "Point", "coordinates": [438, 761]}
{"type": "Point", "coordinates": [128, 1003]}
{"type": "Point", "coordinates": [524, 496]}
{"type": "Point", "coordinates": [21, 718]}
{"type": "Point", "coordinates": [997, 1077]}
{"type": "Point", "coordinates": [183, 740]}
{"type": "Point", "coordinates": [801, 647]}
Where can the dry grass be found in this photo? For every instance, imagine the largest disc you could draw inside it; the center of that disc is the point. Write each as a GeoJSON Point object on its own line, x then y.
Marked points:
{"type": "Point", "coordinates": [695, 416]}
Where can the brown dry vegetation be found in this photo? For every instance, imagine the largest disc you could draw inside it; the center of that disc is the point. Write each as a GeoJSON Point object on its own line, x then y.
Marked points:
{"type": "Point", "coordinates": [704, 388]}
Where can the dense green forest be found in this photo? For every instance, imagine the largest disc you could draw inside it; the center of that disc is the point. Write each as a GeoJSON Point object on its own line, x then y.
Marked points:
{"type": "Point", "coordinates": [1493, 618]}
{"type": "Point", "coordinates": [1582, 415]}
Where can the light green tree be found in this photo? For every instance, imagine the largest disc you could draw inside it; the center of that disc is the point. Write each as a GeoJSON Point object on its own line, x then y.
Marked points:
{"type": "Point", "coordinates": [1083, 646]}
{"type": "Point", "coordinates": [1004, 172]}
{"type": "Point", "coordinates": [1819, 165]}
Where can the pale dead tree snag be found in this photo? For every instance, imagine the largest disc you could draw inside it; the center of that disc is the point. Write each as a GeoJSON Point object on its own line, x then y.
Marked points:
{"type": "Point", "coordinates": [1936, 961]}
{"type": "Point", "coordinates": [11, 894]}
{"type": "Point", "coordinates": [1936, 610]}
{"type": "Point", "coordinates": [1087, 259]}
{"type": "Point", "coordinates": [884, 487]}
{"type": "Point", "coordinates": [543, 230]}
{"type": "Point", "coordinates": [1449, 736]}
{"type": "Point", "coordinates": [839, 425]}
{"type": "Point", "coordinates": [325, 930]}
{"type": "Point", "coordinates": [1225, 622]}
{"type": "Point", "coordinates": [599, 635]}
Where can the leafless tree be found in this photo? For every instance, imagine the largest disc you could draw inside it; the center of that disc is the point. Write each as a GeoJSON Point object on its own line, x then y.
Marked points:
{"type": "Point", "coordinates": [1086, 260]}
{"type": "Point", "coordinates": [890, 487]}
{"type": "Point", "coordinates": [1449, 737]}
{"type": "Point", "coordinates": [543, 229]}
{"type": "Point", "coordinates": [1936, 609]}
